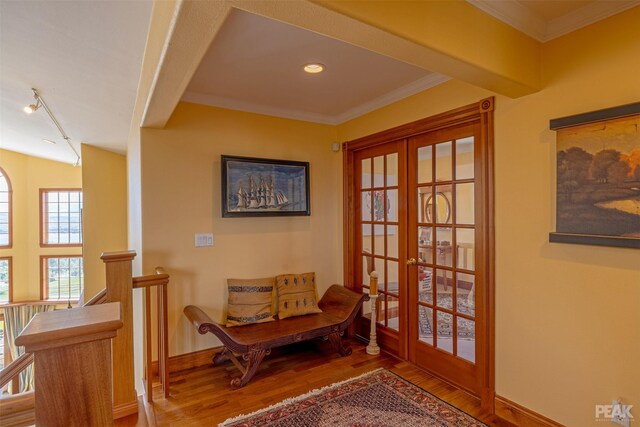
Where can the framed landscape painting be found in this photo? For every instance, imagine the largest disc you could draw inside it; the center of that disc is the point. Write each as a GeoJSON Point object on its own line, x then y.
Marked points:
{"type": "Point", "coordinates": [598, 178]}
{"type": "Point", "coordinates": [264, 187]}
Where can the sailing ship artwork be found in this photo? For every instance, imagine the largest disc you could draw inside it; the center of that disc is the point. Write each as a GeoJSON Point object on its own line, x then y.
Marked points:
{"type": "Point", "coordinates": [264, 187]}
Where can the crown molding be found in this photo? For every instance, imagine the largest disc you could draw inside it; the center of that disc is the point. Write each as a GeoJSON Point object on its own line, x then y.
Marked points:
{"type": "Point", "coordinates": [388, 98]}
{"type": "Point", "coordinates": [515, 15]}
{"type": "Point", "coordinates": [521, 18]}
{"type": "Point", "coordinates": [586, 15]}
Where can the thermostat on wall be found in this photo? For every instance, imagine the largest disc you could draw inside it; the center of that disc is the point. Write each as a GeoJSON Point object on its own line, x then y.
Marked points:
{"type": "Point", "coordinates": [204, 240]}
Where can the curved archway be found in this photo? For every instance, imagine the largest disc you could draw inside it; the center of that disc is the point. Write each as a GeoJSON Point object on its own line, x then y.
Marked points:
{"type": "Point", "coordinates": [5, 210]}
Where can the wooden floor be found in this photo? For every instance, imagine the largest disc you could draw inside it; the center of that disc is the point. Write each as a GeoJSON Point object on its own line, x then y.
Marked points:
{"type": "Point", "coordinates": [202, 396]}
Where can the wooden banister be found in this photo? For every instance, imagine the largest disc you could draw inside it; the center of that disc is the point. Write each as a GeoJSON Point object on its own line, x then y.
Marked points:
{"type": "Point", "coordinates": [118, 266]}
{"type": "Point", "coordinates": [14, 368]}
{"type": "Point", "coordinates": [18, 409]}
{"type": "Point", "coordinates": [159, 280]}
{"type": "Point", "coordinates": [150, 281]}
{"type": "Point", "coordinates": [73, 341]}
{"type": "Point", "coordinates": [99, 298]}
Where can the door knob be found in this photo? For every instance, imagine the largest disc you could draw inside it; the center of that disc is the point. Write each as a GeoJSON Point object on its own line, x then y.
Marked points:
{"type": "Point", "coordinates": [411, 261]}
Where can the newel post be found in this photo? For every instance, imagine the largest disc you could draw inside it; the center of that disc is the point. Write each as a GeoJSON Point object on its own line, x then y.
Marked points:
{"type": "Point", "coordinates": [72, 358]}
{"type": "Point", "coordinates": [118, 266]}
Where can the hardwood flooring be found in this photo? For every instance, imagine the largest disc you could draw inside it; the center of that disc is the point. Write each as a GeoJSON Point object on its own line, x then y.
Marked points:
{"type": "Point", "coordinates": [202, 396]}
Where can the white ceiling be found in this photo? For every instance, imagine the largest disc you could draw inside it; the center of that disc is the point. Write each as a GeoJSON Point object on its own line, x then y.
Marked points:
{"type": "Point", "coordinates": [85, 58]}
{"type": "Point", "coordinates": [546, 20]}
{"type": "Point", "coordinates": [255, 64]}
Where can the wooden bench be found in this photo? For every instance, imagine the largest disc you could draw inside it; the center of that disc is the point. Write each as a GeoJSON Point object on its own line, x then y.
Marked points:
{"type": "Point", "coordinates": [253, 342]}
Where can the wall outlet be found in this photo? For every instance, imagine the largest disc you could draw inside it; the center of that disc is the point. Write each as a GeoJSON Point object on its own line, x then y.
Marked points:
{"type": "Point", "coordinates": [205, 239]}
{"type": "Point", "coordinates": [619, 416]}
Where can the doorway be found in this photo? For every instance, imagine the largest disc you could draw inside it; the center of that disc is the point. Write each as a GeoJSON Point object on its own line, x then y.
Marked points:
{"type": "Point", "coordinates": [419, 211]}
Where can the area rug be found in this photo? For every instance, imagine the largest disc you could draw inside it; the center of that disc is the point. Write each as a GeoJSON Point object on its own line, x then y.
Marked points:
{"type": "Point", "coordinates": [375, 399]}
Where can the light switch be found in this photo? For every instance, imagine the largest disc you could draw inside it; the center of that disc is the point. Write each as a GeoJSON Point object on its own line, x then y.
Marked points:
{"type": "Point", "coordinates": [205, 239]}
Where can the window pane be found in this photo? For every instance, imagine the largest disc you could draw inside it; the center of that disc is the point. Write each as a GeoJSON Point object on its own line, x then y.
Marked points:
{"type": "Point", "coordinates": [465, 293]}
{"type": "Point", "coordinates": [393, 313]}
{"type": "Point", "coordinates": [392, 205]}
{"type": "Point", "coordinates": [467, 339]}
{"type": "Point", "coordinates": [425, 204]}
{"type": "Point", "coordinates": [465, 238]}
{"type": "Point", "coordinates": [425, 322]}
{"type": "Point", "coordinates": [465, 205]}
{"type": "Point", "coordinates": [378, 171]}
{"type": "Point", "coordinates": [62, 211]}
{"type": "Point", "coordinates": [365, 205]}
{"type": "Point", "coordinates": [392, 169]}
{"type": "Point", "coordinates": [4, 281]}
{"type": "Point", "coordinates": [64, 278]}
{"type": "Point", "coordinates": [425, 164]}
{"type": "Point", "coordinates": [366, 173]}
{"type": "Point", "coordinates": [445, 331]}
{"type": "Point", "coordinates": [464, 158]}
{"type": "Point", "coordinates": [392, 241]}
{"type": "Point", "coordinates": [443, 161]}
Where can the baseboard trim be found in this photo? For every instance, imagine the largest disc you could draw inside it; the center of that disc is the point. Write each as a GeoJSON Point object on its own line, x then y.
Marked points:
{"type": "Point", "coordinates": [189, 360]}
{"type": "Point", "coordinates": [521, 416]}
{"type": "Point", "coordinates": [125, 409]}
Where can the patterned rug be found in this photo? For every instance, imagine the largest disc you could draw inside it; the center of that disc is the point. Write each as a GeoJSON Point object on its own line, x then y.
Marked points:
{"type": "Point", "coordinates": [375, 399]}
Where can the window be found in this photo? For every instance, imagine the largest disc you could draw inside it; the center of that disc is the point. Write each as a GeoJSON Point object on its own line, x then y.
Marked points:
{"type": "Point", "coordinates": [60, 217]}
{"type": "Point", "coordinates": [5, 210]}
{"type": "Point", "coordinates": [62, 278]}
{"type": "Point", "coordinates": [5, 280]}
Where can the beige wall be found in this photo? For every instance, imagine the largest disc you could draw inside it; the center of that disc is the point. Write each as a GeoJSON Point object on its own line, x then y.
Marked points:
{"type": "Point", "coordinates": [181, 196]}
{"type": "Point", "coordinates": [567, 317]}
{"type": "Point", "coordinates": [28, 174]}
{"type": "Point", "coordinates": [104, 179]}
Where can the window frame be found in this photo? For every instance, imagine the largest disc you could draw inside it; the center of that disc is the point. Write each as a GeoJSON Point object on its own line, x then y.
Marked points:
{"type": "Point", "coordinates": [10, 268]}
{"type": "Point", "coordinates": [44, 277]}
{"type": "Point", "coordinates": [9, 245]}
{"type": "Point", "coordinates": [43, 229]}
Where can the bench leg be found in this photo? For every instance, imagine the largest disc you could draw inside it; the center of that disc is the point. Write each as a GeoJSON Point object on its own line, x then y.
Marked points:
{"type": "Point", "coordinates": [221, 357]}
{"type": "Point", "coordinates": [253, 360]}
{"type": "Point", "coordinates": [336, 341]}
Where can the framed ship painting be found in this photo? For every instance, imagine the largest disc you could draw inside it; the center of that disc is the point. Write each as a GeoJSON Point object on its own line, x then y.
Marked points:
{"type": "Point", "coordinates": [264, 187]}
{"type": "Point", "coordinates": [598, 178]}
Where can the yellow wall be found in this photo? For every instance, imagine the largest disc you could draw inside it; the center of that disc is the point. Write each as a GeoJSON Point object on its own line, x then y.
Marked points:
{"type": "Point", "coordinates": [104, 179]}
{"type": "Point", "coordinates": [181, 196]}
{"type": "Point", "coordinates": [28, 174]}
{"type": "Point", "coordinates": [567, 331]}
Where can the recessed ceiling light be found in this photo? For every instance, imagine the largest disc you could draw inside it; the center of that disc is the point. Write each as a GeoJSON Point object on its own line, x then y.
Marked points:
{"type": "Point", "coordinates": [49, 141]}
{"type": "Point", "coordinates": [314, 68]}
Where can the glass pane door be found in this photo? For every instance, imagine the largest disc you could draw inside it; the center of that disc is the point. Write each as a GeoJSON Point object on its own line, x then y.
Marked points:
{"type": "Point", "coordinates": [380, 242]}
{"type": "Point", "coordinates": [442, 240]}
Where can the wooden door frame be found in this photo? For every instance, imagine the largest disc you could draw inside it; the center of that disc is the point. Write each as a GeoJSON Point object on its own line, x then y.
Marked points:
{"type": "Point", "coordinates": [482, 111]}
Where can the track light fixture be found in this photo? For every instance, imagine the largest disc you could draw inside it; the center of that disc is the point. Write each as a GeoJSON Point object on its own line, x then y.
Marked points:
{"type": "Point", "coordinates": [40, 103]}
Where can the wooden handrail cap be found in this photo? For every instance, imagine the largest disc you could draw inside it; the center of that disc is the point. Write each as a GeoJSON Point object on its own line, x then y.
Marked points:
{"type": "Point", "coordinates": [118, 256]}
{"type": "Point", "coordinates": [73, 326]}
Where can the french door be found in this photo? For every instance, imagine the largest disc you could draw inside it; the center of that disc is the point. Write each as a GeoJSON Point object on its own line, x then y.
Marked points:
{"type": "Point", "coordinates": [420, 217]}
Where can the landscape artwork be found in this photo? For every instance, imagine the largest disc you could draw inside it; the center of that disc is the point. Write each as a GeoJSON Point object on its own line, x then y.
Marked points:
{"type": "Point", "coordinates": [598, 179]}
{"type": "Point", "coordinates": [264, 187]}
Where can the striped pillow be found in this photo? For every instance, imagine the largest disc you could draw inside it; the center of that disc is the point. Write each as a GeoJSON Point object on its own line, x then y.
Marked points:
{"type": "Point", "coordinates": [250, 301]}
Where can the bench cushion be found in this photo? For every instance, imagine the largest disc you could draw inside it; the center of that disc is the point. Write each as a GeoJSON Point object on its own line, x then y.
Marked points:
{"type": "Point", "coordinates": [297, 295]}
{"type": "Point", "coordinates": [250, 301]}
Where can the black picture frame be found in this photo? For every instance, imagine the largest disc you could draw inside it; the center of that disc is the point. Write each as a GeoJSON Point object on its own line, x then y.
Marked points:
{"type": "Point", "coordinates": [562, 235]}
{"type": "Point", "coordinates": [255, 187]}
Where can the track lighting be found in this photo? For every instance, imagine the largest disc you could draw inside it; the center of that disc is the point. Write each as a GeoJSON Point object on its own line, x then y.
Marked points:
{"type": "Point", "coordinates": [40, 103]}
{"type": "Point", "coordinates": [31, 108]}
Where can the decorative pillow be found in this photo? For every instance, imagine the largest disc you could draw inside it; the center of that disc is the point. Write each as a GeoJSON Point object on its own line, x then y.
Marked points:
{"type": "Point", "coordinates": [250, 301]}
{"type": "Point", "coordinates": [297, 295]}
